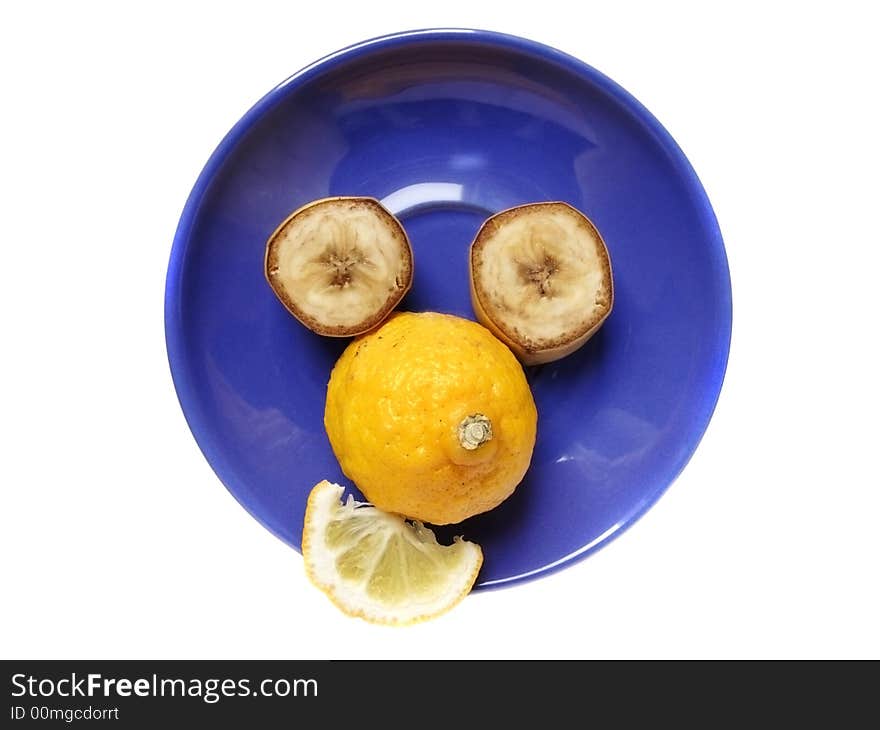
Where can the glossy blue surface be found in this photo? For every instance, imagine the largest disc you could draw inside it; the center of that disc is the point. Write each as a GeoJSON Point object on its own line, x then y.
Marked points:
{"type": "Point", "coordinates": [448, 127]}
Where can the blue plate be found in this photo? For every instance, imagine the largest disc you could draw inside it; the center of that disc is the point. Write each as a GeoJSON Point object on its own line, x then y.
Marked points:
{"type": "Point", "coordinates": [447, 127]}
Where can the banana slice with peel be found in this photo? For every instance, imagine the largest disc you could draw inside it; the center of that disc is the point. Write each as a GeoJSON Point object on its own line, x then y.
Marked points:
{"type": "Point", "coordinates": [340, 265]}
{"type": "Point", "coordinates": [541, 280]}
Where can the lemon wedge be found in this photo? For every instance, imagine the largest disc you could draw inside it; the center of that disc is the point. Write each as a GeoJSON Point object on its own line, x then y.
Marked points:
{"type": "Point", "coordinates": [377, 565]}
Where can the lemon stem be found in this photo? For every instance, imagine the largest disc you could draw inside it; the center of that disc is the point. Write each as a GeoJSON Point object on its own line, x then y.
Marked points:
{"type": "Point", "coordinates": [474, 431]}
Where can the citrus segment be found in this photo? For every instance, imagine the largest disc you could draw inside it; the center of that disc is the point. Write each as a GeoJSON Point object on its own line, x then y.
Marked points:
{"type": "Point", "coordinates": [380, 567]}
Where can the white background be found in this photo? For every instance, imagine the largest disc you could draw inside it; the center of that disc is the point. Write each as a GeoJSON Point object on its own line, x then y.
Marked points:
{"type": "Point", "coordinates": [117, 539]}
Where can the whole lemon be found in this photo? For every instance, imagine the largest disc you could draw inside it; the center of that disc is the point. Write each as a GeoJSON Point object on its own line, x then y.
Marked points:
{"type": "Point", "coordinates": [431, 416]}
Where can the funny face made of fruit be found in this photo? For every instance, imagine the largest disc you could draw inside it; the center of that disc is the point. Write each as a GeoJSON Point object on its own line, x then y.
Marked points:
{"type": "Point", "coordinates": [430, 415]}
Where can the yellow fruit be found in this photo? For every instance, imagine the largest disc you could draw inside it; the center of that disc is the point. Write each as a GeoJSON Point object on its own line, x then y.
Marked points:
{"type": "Point", "coordinates": [431, 416]}
{"type": "Point", "coordinates": [380, 567]}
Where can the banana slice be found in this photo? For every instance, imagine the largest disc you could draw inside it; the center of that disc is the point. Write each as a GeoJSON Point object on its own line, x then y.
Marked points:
{"type": "Point", "coordinates": [340, 265]}
{"type": "Point", "coordinates": [541, 280]}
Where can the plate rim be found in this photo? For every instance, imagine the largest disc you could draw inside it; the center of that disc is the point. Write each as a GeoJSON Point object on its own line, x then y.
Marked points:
{"type": "Point", "coordinates": [173, 321]}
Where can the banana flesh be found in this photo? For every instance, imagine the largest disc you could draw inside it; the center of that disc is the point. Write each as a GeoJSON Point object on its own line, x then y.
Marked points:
{"type": "Point", "coordinates": [340, 265]}
{"type": "Point", "coordinates": [541, 276]}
